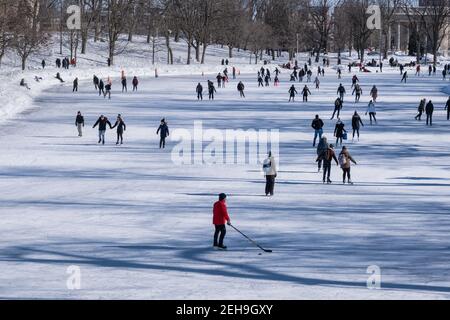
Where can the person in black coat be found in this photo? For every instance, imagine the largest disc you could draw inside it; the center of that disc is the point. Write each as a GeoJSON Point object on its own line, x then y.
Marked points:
{"type": "Point", "coordinates": [241, 88]}
{"type": "Point", "coordinates": [317, 125]}
{"type": "Point", "coordinates": [96, 82]}
{"type": "Point", "coordinates": [339, 132]}
{"type": "Point", "coordinates": [121, 128]}
{"type": "Point", "coordinates": [124, 84]}
{"type": "Point", "coordinates": [101, 123]}
{"type": "Point", "coordinates": [447, 107]}
{"type": "Point", "coordinates": [135, 83]}
{"type": "Point", "coordinates": [211, 90]}
{"type": "Point", "coordinates": [79, 123]}
{"type": "Point", "coordinates": [338, 105]}
{"type": "Point", "coordinates": [101, 88]}
{"type": "Point", "coordinates": [75, 85]}
{"type": "Point", "coordinates": [292, 92]}
{"type": "Point", "coordinates": [163, 131]}
{"type": "Point", "coordinates": [356, 124]}
{"type": "Point", "coordinates": [58, 63]}
{"type": "Point", "coordinates": [429, 109]}
{"type": "Point", "coordinates": [306, 93]}
{"type": "Point", "coordinates": [199, 90]}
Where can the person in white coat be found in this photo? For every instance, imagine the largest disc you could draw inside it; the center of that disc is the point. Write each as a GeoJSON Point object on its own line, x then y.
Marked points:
{"type": "Point", "coordinates": [270, 172]}
{"type": "Point", "coordinates": [372, 111]}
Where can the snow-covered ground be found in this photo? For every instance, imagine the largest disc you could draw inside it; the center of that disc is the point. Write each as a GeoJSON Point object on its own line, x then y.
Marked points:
{"type": "Point", "coordinates": [139, 226]}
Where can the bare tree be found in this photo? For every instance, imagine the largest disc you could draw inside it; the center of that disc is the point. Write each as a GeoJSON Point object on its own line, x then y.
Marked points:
{"type": "Point", "coordinates": [434, 16]}
{"type": "Point", "coordinates": [28, 35]}
{"type": "Point", "coordinates": [6, 35]}
{"type": "Point", "coordinates": [356, 11]}
{"type": "Point", "coordinates": [118, 11]}
{"type": "Point", "coordinates": [90, 12]}
{"type": "Point", "coordinates": [320, 17]}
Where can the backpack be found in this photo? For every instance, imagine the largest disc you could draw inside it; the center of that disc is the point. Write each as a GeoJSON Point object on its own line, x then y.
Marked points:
{"type": "Point", "coordinates": [343, 160]}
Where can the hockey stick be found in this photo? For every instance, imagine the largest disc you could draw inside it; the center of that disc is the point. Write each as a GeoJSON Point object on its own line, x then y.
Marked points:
{"type": "Point", "coordinates": [254, 242]}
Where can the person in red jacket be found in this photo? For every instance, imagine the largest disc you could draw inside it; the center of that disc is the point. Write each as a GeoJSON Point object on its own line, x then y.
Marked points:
{"type": "Point", "coordinates": [220, 218]}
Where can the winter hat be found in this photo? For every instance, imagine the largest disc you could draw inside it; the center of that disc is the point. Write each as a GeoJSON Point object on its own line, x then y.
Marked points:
{"type": "Point", "coordinates": [222, 196]}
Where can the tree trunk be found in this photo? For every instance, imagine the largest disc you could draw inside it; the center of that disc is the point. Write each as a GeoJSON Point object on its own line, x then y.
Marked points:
{"type": "Point", "coordinates": [84, 39]}
{"type": "Point", "coordinates": [189, 51]}
{"type": "Point", "coordinates": [24, 62]}
{"type": "Point", "coordinates": [230, 51]}
{"type": "Point", "coordinates": [197, 52]}
{"type": "Point", "coordinates": [204, 53]}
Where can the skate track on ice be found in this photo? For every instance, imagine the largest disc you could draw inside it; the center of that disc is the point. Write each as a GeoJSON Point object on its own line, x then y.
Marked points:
{"type": "Point", "coordinates": [139, 227]}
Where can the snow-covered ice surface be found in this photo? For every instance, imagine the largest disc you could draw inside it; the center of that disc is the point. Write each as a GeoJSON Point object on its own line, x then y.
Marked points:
{"type": "Point", "coordinates": [139, 227]}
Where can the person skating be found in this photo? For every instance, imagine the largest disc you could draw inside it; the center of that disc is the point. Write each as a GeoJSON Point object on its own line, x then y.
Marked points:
{"type": "Point", "coordinates": [292, 92]}
{"type": "Point", "coordinates": [43, 63]}
{"type": "Point", "coordinates": [327, 157]}
{"type": "Point", "coordinates": [321, 148]}
{"type": "Point", "coordinates": [24, 84]}
{"type": "Point", "coordinates": [374, 93]}
{"type": "Point", "coordinates": [357, 92]}
{"type": "Point", "coordinates": [339, 132]}
{"type": "Point", "coordinates": [75, 85]}
{"type": "Point", "coordinates": [163, 131]}
{"type": "Point", "coordinates": [270, 172]}
{"type": "Point", "coordinates": [372, 111]}
{"type": "Point", "coordinates": [317, 83]}
{"type": "Point", "coordinates": [135, 84]}
{"type": "Point", "coordinates": [124, 84]}
{"type": "Point", "coordinates": [211, 90]}
{"type": "Point", "coordinates": [101, 123]}
{"type": "Point", "coordinates": [101, 88]}
{"type": "Point", "coordinates": [305, 93]}
{"type": "Point", "coordinates": [276, 81]}
{"type": "Point", "coordinates": [429, 109]}
{"type": "Point", "coordinates": [79, 123]}
{"type": "Point", "coordinates": [199, 91]}
{"type": "Point", "coordinates": [96, 82]}
{"type": "Point", "coordinates": [338, 105]}
{"type": "Point", "coordinates": [341, 92]}
{"type": "Point", "coordinates": [260, 81]}
{"type": "Point", "coordinates": [241, 89]}
{"type": "Point", "coordinates": [121, 128]}
{"type": "Point", "coordinates": [355, 80]}
{"type": "Point", "coordinates": [447, 107]}
{"type": "Point", "coordinates": [317, 125]}
{"type": "Point", "coordinates": [339, 73]}
{"type": "Point", "coordinates": [267, 80]}
{"type": "Point", "coordinates": [418, 70]}
{"type": "Point", "coordinates": [421, 109]}
{"type": "Point", "coordinates": [220, 219]}
{"type": "Point", "coordinates": [219, 80]}
{"type": "Point", "coordinates": [108, 88]}
{"type": "Point", "coordinates": [277, 72]}
{"type": "Point", "coordinates": [345, 162]}
{"type": "Point", "coordinates": [405, 77]}
{"type": "Point", "coordinates": [356, 124]}
{"type": "Point", "coordinates": [58, 76]}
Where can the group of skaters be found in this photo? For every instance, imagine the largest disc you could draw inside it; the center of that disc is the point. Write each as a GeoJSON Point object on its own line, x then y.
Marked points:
{"type": "Point", "coordinates": [64, 63]}
{"type": "Point", "coordinates": [428, 109]}
{"type": "Point", "coordinates": [104, 88]}
{"type": "Point", "coordinates": [103, 123]}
